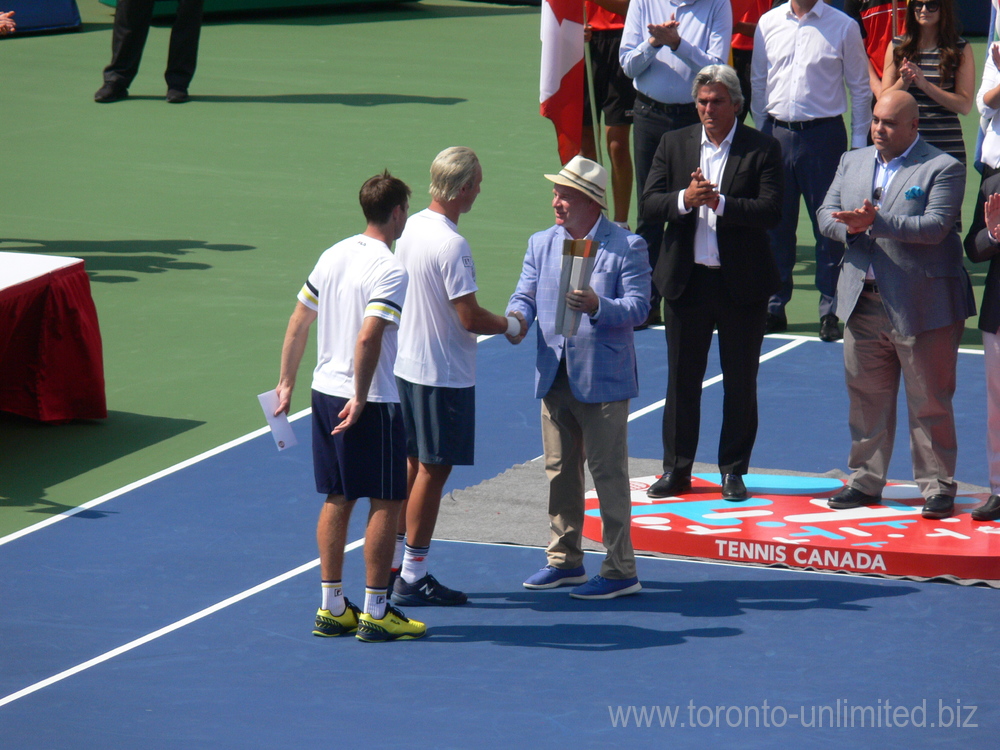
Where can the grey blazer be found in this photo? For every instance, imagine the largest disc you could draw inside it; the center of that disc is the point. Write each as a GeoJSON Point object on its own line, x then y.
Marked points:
{"type": "Point", "coordinates": [913, 245]}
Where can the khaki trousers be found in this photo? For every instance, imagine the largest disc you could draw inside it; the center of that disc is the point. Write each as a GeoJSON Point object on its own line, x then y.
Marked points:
{"type": "Point", "coordinates": [574, 432]}
{"type": "Point", "coordinates": [874, 357]}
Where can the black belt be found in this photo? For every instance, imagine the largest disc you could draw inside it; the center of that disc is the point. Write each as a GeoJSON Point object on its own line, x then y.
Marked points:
{"type": "Point", "coordinates": [667, 109]}
{"type": "Point", "coordinates": [804, 124]}
{"type": "Point", "coordinates": [871, 286]}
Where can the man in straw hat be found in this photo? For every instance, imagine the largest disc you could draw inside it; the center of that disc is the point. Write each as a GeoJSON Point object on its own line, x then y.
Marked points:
{"type": "Point", "coordinates": [585, 380]}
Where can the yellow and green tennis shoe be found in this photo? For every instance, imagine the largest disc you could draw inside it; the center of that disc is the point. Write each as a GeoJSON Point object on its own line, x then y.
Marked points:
{"type": "Point", "coordinates": [329, 625]}
{"type": "Point", "coordinates": [395, 626]}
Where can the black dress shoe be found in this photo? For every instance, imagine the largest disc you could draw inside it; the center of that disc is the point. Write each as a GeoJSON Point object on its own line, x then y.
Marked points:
{"type": "Point", "coordinates": [829, 330]}
{"type": "Point", "coordinates": [938, 506]}
{"type": "Point", "coordinates": [670, 484]}
{"type": "Point", "coordinates": [988, 511]}
{"type": "Point", "coordinates": [109, 92]}
{"type": "Point", "coordinates": [776, 323]}
{"type": "Point", "coordinates": [733, 488]}
{"type": "Point", "coordinates": [851, 498]}
{"type": "Point", "coordinates": [177, 96]}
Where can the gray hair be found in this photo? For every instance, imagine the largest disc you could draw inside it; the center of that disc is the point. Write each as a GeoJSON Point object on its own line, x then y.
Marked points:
{"type": "Point", "coordinates": [712, 74]}
{"type": "Point", "coordinates": [451, 170]}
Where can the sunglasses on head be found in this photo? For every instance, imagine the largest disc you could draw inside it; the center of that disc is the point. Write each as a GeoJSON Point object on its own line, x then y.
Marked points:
{"type": "Point", "coordinates": [931, 6]}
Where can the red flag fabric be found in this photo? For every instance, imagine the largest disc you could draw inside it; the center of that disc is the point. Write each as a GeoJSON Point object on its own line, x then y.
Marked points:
{"type": "Point", "coordinates": [561, 88]}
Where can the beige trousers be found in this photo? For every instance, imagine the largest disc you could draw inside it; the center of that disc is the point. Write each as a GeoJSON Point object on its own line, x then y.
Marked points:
{"type": "Point", "coordinates": [574, 432]}
{"type": "Point", "coordinates": [875, 355]}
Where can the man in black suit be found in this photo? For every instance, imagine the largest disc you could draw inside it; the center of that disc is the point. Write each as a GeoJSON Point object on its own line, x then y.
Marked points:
{"type": "Point", "coordinates": [718, 185]}
{"type": "Point", "coordinates": [132, 20]}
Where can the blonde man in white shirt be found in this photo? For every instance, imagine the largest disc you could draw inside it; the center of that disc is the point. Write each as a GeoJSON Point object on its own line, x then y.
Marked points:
{"type": "Point", "coordinates": [436, 366]}
{"type": "Point", "coordinates": [355, 295]}
{"type": "Point", "coordinates": [804, 53]}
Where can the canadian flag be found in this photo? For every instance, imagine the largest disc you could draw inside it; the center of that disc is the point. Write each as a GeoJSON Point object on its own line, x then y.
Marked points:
{"type": "Point", "coordinates": [561, 89]}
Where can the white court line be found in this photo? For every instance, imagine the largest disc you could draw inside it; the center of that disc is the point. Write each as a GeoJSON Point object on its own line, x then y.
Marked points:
{"type": "Point", "coordinates": [108, 655]}
{"type": "Point", "coordinates": [795, 341]}
{"type": "Point", "coordinates": [146, 480]}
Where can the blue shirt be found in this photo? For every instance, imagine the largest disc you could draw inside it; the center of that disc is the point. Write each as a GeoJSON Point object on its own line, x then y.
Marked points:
{"type": "Point", "coordinates": [666, 75]}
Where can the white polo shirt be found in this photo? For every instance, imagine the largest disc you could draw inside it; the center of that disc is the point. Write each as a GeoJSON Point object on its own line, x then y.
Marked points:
{"type": "Point", "coordinates": [355, 279]}
{"type": "Point", "coordinates": [434, 347]}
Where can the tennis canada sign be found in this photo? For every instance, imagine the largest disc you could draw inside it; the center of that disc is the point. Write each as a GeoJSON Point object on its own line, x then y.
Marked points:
{"type": "Point", "coordinates": [828, 558]}
{"type": "Point", "coordinates": [787, 521]}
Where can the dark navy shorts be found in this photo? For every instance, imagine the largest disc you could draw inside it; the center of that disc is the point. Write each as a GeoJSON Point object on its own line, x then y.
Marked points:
{"type": "Point", "coordinates": [366, 460]}
{"type": "Point", "coordinates": [440, 423]}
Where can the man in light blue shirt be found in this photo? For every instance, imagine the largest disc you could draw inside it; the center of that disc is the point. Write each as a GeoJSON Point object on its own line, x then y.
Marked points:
{"type": "Point", "coordinates": [664, 45]}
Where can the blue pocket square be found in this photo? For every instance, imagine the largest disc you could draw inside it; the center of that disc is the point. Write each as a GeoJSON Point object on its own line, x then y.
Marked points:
{"type": "Point", "coordinates": [914, 192]}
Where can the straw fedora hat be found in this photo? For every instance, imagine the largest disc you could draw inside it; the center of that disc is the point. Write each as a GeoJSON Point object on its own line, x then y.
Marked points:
{"type": "Point", "coordinates": [587, 176]}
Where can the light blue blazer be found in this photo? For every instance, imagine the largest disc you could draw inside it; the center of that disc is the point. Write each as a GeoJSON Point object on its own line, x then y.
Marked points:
{"type": "Point", "coordinates": [600, 358]}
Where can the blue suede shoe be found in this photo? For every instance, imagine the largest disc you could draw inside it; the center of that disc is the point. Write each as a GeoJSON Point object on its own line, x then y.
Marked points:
{"type": "Point", "coordinates": [552, 578]}
{"type": "Point", "coordinates": [599, 587]}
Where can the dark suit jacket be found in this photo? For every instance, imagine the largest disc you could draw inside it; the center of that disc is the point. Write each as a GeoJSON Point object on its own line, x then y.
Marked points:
{"type": "Point", "coordinates": [979, 247]}
{"type": "Point", "coordinates": [752, 184]}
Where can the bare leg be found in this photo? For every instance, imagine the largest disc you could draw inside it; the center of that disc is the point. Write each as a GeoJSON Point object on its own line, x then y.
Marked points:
{"type": "Point", "coordinates": [331, 536]}
{"type": "Point", "coordinates": [424, 503]}
{"type": "Point", "coordinates": [380, 541]}
{"type": "Point", "coordinates": [621, 169]}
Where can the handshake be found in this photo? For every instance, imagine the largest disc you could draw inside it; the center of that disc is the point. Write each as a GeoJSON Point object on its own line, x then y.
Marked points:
{"type": "Point", "coordinates": [517, 327]}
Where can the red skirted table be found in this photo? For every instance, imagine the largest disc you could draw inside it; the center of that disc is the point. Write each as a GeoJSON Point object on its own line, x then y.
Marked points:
{"type": "Point", "coordinates": [51, 362]}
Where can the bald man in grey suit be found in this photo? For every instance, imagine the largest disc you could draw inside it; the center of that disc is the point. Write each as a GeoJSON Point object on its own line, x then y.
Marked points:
{"type": "Point", "coordinates": [905, 296]}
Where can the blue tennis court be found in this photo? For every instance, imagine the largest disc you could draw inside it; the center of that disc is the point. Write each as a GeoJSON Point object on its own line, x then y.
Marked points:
{"type": "Point", "coordinates": [178, 613]}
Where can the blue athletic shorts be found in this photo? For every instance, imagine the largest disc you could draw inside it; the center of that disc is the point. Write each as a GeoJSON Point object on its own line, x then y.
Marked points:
{"type": "Point", "coordinates": [366, 460]}
{"type": "Point", "coordinates": [440, 423]}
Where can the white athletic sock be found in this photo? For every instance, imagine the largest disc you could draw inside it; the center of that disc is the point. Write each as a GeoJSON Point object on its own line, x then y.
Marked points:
{"type": "Point", "coordinates": [375, 602]}
{"type": "Point", "coordinates": [333, 597]}
{"type": "Point", "coordinates": [397, 555]}
{"type": "Point", "coordinates": [414, 563]}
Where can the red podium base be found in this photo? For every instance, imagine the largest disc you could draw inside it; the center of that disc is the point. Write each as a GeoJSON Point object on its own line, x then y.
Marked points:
{"type": "Point", "coordinates": [788, 521]}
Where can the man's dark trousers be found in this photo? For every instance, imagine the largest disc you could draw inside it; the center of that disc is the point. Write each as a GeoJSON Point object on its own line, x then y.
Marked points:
{"type": "Point", "coordinates": [132, 20]}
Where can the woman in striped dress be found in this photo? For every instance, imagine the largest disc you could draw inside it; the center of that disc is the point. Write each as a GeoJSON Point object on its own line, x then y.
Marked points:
{"type": "Point", "coordinates": [932, 62]}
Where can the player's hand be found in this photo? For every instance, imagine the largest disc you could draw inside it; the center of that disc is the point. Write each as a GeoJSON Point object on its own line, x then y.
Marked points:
{"type": "Point", "coordinates": [350, 414]}
{"type": "Point", "coordinates": [284, 392]}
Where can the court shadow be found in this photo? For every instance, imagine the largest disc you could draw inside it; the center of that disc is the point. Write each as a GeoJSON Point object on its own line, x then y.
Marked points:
{"type": "Point", "coordinates": [573, 637]}
{"type": "Point", "coordinates": [105, 259]}
{"type": "Point", "coordinates": [35, 456]}
{"type": "Point", "coordinates": [347, 100]}
{"type": "Point", "coordinates": [721, 598]}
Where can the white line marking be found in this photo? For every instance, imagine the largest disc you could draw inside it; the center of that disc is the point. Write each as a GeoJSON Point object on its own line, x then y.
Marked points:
{"type": "Point", "coordinates": [147, 480]}
{"type": "Point", "coordinates": [796, 341]}
{"type": "Point", "coordinates": [108, 655]}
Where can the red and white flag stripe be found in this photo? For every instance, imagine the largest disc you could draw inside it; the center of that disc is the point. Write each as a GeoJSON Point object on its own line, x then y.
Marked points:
{"type": "Point", "coordinates": [561, 88]}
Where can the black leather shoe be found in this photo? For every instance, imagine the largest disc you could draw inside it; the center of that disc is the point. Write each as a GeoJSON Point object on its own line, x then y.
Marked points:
{"type": "Point", "coordinates": [776, 323]}
{"type": "Point", "coordinates": [988, 511]}
{"type": "Point", "coordinates": [851, 498]}
{"type": "Point", "coordinates": [670, 484]}
{"type": "Point", "coordinates": [109, 92]}
{"type": "Point", "coordinates": [177, 96]}
{"type": "Point", "coordinates": [733, 488]}
{"type": "Point", "coordinates": [829, 330]}
{"type": "Point", "coordinates": [938, 506]}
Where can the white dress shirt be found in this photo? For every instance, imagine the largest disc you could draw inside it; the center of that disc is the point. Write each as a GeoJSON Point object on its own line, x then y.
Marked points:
{"type": "Point", "coordinates": [991, 143]}
{"type": "Point", "coordinates": [713, 163]}
{"type": "Point", "coordinates": [666, 75]}
{"type": "Point", "coordinates": [800, 66]}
